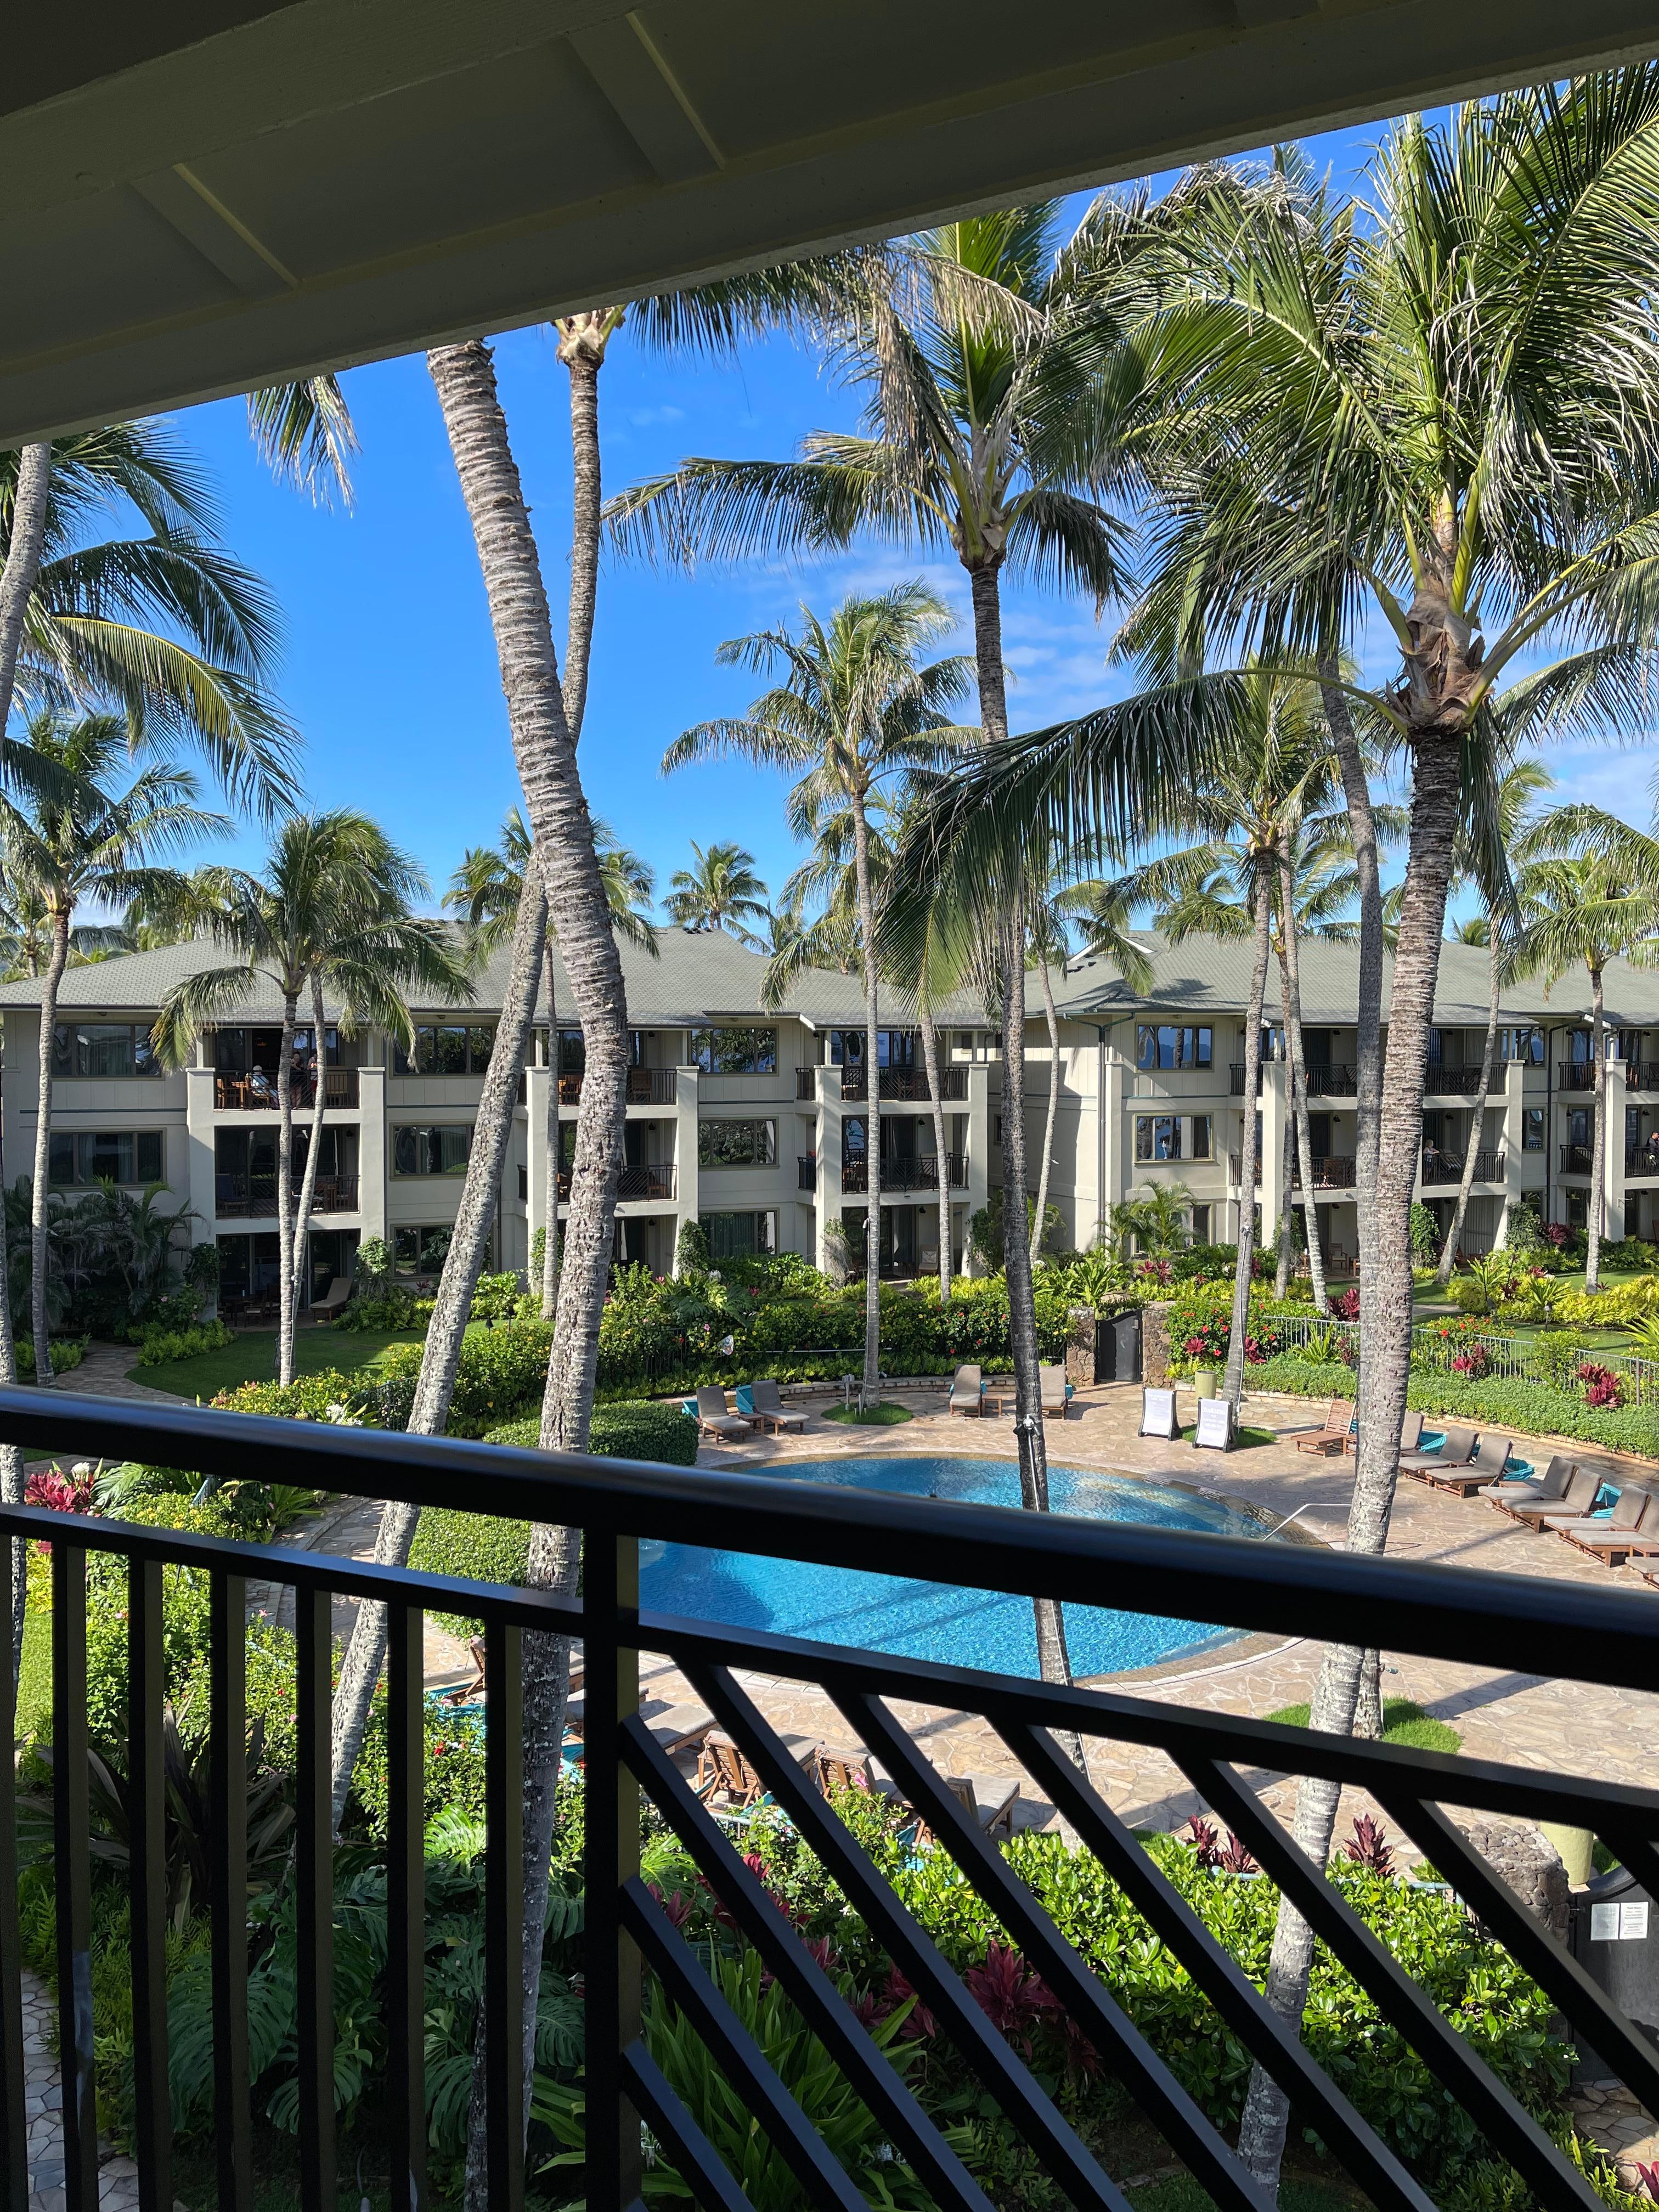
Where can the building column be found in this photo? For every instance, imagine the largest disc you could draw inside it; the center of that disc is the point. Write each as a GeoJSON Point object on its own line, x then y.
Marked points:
{"type": "Point", "coordinates": [1514, 1139]}
{"type": "Point", "coordinates": [686, 1188]}
{"type": "Point", "coordinates": [1113, 1133]}
{"type": "Point", "coordinates": [1612, 1162]}
{"type": "Point", "coordinates": [1274, 1115]}
{"type": "Point", "coordinates": [372, 1162]}
{"type": "Point", "coordinates": [979, 1151]}
{"type": "Point", "coordinates": [536, 1081]}
{"type": "Point", "coordinates": [201, 1180]}
{"type": "Point", "coordinates": [826, 1150]}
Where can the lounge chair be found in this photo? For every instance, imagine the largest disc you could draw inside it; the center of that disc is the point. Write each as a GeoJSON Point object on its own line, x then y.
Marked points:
{"type": "Point", "coordinates": [967, 1389]}
{"type": "Point", "coordinates": [1056, 1390]}
{"type": "Point", "coordinates": [1547, 1489]}
{"type": "Point", "coordinates": [1411, 1435]}
{"type": "Point", "coordinates": [1457, 1450]}
{"type": "Point", "coordinates": [767, 1404]}
{"type": "Point", "coordinates": [339, 1290]}
{"type": "Point", "coordinates": [1157, 1414]}
{"type": "Point", "coordinates": [1480, 1473]}
{"type": "Point", "coordinates": [1338, 1419]}
{"type": "Point", "coordinates": [723, 1770]}
{"type": "Point", "coordinates": [835, 1770]}
{"type": "Point", "coordinates": [1577, 1496]}
{"type": "Point", "coordinates": [989, 1799]}
{"type": "Point", "coordinates": [1612, 1537]}
{"type": "Point", "coordinates": [714, 1420]}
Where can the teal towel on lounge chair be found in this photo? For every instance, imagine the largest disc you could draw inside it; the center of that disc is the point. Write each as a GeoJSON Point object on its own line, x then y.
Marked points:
{"type": "Point", "coordinates": [745, 1398]}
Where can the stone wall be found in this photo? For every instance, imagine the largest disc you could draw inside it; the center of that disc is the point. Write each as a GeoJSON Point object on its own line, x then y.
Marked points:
{"type": "Point", "coordinates": [1155, 1342]}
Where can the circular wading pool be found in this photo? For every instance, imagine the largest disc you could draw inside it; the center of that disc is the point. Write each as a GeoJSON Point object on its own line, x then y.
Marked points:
{"type": "Point", "coordinates": [936, 1621]}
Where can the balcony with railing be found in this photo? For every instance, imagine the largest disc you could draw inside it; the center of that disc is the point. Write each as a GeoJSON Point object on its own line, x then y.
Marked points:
{"type": "Point", "coordinates": [1441, 1167]}
{"type": "Point", "coordinates": [1236, 1079]}
{"type": "Point", "coordinates": [1330, 1170]}
{"type": "Point", "coordinates": [656, 1182]}
{"type": "Point", "coordinates": [1576, 1159]}
{"type": "Point", "coordinates": [634, 1956]}
{"type": "Point", "coordinates": [1641, 1162]}
{"type": "Point", "coordinates": [806, 1171]}
{"type": "Point", "coordinates": [256, 1092]}
{"type": "Point", "coordinates": [903, 1085]}
{"type": "Point", "coordinates": [646, 1086]}
{"type": "Point", "coordinates": [1442, 1080]}
{"type": "Point", "coordinates": [253, 1197]}
{"type": "Point", "coordinates": [1235, 1167]}
{"type": "Point", "coordinates": [1574, 1075]}
{"type": "Point", "coordinates": [1332, 1081]}
{"type": "Point", "coordinates": [917, 1174]}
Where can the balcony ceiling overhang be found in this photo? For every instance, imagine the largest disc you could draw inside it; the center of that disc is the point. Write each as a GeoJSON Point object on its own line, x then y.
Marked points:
{"type": "Point", "coordinates": [199, 197]}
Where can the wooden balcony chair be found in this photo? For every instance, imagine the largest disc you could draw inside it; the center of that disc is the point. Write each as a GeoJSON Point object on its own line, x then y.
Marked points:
{"type": "Point", "coordinates": [1331, 1439]}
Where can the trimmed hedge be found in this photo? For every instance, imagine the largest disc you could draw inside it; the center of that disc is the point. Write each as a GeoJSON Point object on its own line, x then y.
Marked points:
{"type": "Point", "coordinates": [483, 1548]}
{"type": "Point", "coordinates": [1524, 1409]}
{"type": "Point", "coordinates": [157, 1347]}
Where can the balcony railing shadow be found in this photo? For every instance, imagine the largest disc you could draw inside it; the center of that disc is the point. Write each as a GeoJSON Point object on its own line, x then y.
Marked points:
{"type": "Point", "coordinates": [1469, 1618]}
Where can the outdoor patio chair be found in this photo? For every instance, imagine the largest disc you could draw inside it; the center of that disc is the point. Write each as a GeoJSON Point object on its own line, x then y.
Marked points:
{"type": "Point", "coordinates": [1547, 1489]}
{"type": "Point", "coordinates": [1631, 1526]}
{"type": "Point", "coordinates": [1481, 1471]}
{"type": "Point", "coordinates": [769, 1408]}
{"type": "Point", "coordinates": [1338, 1419]}
{"type": "Point", "coordinates": [835, 1770]}
{"type": "Point", "coordinates": [1157, 1414]}
{"type": "Point", "coordinates": [1457, 1451]}
{"type": "Point", "coordinates": [723, 1770]}
{"type": "Point", "coordinates": [1577, 1496]}
{"type": "Point", "coordinates": [967, 1388]}
{"type": "Point", "coordinates": [339, 1290]}
{"type": "Point", "coordinates": [1411, 1435]}
{"type": "Point", "coordinates": [988, 1799]}
{"type": "Point", "coordinates": [1056, 1390]}
{"type": "Point", "coordinates": [713, 1419]}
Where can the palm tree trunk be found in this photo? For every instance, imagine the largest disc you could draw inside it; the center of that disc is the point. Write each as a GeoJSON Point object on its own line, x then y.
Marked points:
{"type": "Point", "coordinates": [1386, 1360]}
{"type": "Point", "coordinates": [56, 961]}
{"type": "Point", "coordinates": [366, 1653]}
{"type": "Point", "coordinates": [284, 1192]}
{"type": "Point", "coordinates": [870, 1393]}
{"type": "Point", "coordinates": [1051, 1015]}
{"type": "Point", "coordinates": [17, 581]}
{"type": "Point", "coordinates": [1449, 1249]}
{"type": "Point", "coordinates": [313, 1153]}
{"type": "Point", "coordinates": [941, 1159]}
{"type": "Point", "coordinates": [1286, 1246]}
{"type": "Point", "coordinates": [551, 1247]}
{"type": "Point", "coordinates": [1594, 1212]}
{"type": "Point", "coordinates": [546, 756]}
{"type": "Point", "coordinates": [1292, 960]}
{"type": "Point", "coordinates": [586, 503]}
{"type": "Point", "coordinates": [1233, 1385]}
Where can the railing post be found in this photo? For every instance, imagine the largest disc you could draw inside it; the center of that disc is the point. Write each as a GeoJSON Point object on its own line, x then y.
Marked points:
{"type": "Point", "coordinates": [504, 1945]}
{"type": "Point", "coordinates": [148, 1890]}
{"type": "Point", "coordinates": [228, 1884]}
{"type": "Point", "coordinates": [406, 1912]}
{"type": "Point", "coordinates": [14, 2120]}
{"type": "Point", "coordinates": [72, 1861]}
{"type": "Point", "coordinates": [611, 1598]}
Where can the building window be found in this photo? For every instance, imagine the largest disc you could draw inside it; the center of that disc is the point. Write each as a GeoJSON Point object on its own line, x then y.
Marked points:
{"type": "Point", "coordinates": [737, 1144]}
{"type": "Point", "coordinates": [1200, 1220]}
{"type": "Point", "coordinates": [1164, 1046]}
{"type": "Point", "coordinates": [893, 1048]}
{"type": "Point", "coordinates": [103, 1048]}
{"type": "Point", "coordinates": [126, 1156]}
{"type": "Point", "coordinates": [1532, 1129]}
{"type": "Point", "coordinates": [735, 1051]}
{"type": "Point", "coordinates": [1203, 1138]}
{"type": "Point", "coordinates": [423, 1151]}
{"type": "Point", "coordinates": [422, 1251]}
{"type": "Point", "coordinates": [1526, 1044]}
{"type": "Point", "coordinates": [1158, 1136]}
{"type": "Point", "coordinates": [524, 1186]}
{"type": "Point", "coordinates": [739, 1235]}
{"type": "Point", "coordinates": [446, 1049]}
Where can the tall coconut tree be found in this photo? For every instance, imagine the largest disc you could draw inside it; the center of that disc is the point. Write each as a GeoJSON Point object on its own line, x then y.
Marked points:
{"type": "Point", "coordinates": [330, 914]}
{"type": "Point", "coordinates": [857, 709]}
{"type": "Point", "coordinates": [1447, 417]}
{"type": "Point", "coordinates": [101, 841]}
{"type": "Point", "coordinates": [1588, 893]}
{"type": "Point", "coordinates": [996, 394]}
{"type": "Point", "coordinates": [719, 890]}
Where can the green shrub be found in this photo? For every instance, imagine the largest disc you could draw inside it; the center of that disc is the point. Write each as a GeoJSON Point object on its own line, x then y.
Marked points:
{"type": "Point", "coordinates": [376, 1313]}
{"type": "Point", "coordinates": [158, 1347]}
{"type": "Point", "coordinates": [1536, 1409]}
{"type": "Point", "coordinates": [1424, 1235]}
{"type": "Point", "coordinates": [453, 1765]}
{"type": "Point", "coordinates": [67, 1353]}
{"type": "Point", "coordinates": [184, 1603]}
{"type": "Point", "coordinates": [1555, 1355]}
{"type": "Point", "coordinates": [331, 1395]}
{"type": "Point", "coordinates": [1302, 1378]}
{"type": "Point", "coordinates": [475, 1547]}
{"type": "Point", "coordinates": [501, 1371]}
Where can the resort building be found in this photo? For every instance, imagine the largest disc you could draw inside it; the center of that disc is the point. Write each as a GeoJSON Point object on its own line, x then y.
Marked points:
{"type": "Point", "coordinates": [757, 1123]}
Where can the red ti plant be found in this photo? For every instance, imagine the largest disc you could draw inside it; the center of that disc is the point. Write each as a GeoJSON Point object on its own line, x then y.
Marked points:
{"type": "Point", "coordinates": [1235, 1859]}
{"type": "Point", "coordinates": [1009, 1993]}
{"type": "Point", "coordinates": [1368, 1846]}
{"type": "Point", "coordinates": [1205, 1842]}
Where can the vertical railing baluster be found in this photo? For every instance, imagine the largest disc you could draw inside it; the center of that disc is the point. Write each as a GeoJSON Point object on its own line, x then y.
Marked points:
{"type": "Point", "coordinates": [406, 1910]}
{"type": "Point", "coordinates": [504, 1932]}
{"type": "Point", "coordinates": [147, 1888]}
{"type": "Point", "coordinates": [72, 1874]}
{"type": "Point", "coordinates": [14, 2115]}
{"type": "Point", "coordinates": [314, 1869]}
{"type": "Point", "coordinates": [610, 1813]}
{"type": "Point", "coordinates": [227, 1880]}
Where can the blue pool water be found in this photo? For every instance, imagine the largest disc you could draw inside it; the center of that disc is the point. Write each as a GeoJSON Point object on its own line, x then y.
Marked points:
{"type": "Point", "coordinates": [935, 1620]}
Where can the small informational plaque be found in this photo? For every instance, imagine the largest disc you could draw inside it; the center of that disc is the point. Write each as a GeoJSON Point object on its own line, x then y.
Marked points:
{"type": "Point", "coordinates": [1604, 1924]}
{"type": "Point", "coordinates": [1633, 1921]}
{"type": "Point", "coordinates": [1215, 1424]}
{"type": "Point", "coordinates": [1157, 1414]}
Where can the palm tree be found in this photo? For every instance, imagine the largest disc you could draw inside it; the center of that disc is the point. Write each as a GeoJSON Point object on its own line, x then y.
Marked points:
{"type": "Point", "coordinates": [485, 890]}
{"type": "Point", "coordinates": [857, 709]}
{"type": "Point", "coordinates": [90, 844]}
{"type": "Point", "coordinates": [1158, 1220]}
{"type": "Point", "coordinates": [1588, 892]}
{"type": "Point", "coordinates": [1487, 840]}
{"type": "Point", "coordinates": [330, 912]}
{"type": "Point", "coordinates": [1446, 416]}
{"type": "Point", "coordinates": [718, 891]}
{"type": "Point", "coordinates": [987, 436]}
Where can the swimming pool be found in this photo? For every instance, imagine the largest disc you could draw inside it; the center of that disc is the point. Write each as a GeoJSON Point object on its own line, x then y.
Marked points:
{"type": "Point", "coordinates": [935, 1620]}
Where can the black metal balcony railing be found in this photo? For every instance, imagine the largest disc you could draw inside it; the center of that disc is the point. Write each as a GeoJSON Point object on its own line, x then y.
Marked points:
{"type": "Point", "coordinates": [1235, 1167]}
{"type": "Point", "coordinates": [1331, 1170]}
{"type": "Point", "coordinates": [1575, 1075]}
{"type": "Point", "coordinates": [1332, 1081]}
{"type": "Point", "coordinates": [646, 1086]}
{"type": "Point", "coordinates": [256, 1093]}
{"type": "Point", "coordinates": [1642, 1074]}
{"type": "Point", "coordinates": [854, 1176]}
{"type": "Point", "coordinates": [1468, 1616]}
{"type": "Point", "coordinates": [1641, 1160]}
{"type": "Point", "coordinates": [1576, 1159]}
{"type": "Point", "coordinates": [631, 1182]}
{"type": "Point", "coordinates": [806, 1082]}
{"type": "Point", "coordinates": [1236, 1079]}
{"type": "Point", "coordinates": [1445, 1167]}
{"type": "Point", "coordinates": [1441, 1081]}
{"type": "Point", "coordinates": [253, 1198]}
{"type": "Point", "coordinates": [903, 1085]}
{"type": "Point", "coordinates": [806, 1171]}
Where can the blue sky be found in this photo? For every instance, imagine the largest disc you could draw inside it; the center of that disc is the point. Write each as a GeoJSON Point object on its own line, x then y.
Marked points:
{"type": "Point", "coordinates": [389, 668]}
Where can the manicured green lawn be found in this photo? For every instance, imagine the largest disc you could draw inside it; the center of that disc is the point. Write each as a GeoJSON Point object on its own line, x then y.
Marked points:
{"type": "Point", "coordinates": [1404, 1722]}
{"type": "Point", "coordinates": [886, 1415]}
{"type": "Point", "coordinates": [1245, 1439]}
{"type": "Point", "coordinates": [252, 1358]}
